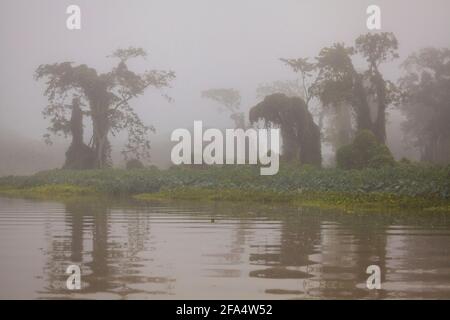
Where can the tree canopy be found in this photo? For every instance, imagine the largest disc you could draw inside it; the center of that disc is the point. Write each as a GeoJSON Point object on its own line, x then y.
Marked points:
{"type": "Point", "coordinates": [107, 99]}
{"type": "Point", "coordinates": [333, 79]}
{"type": "Point", "coordinates": [301, 136]}
{"type": "Point", "coordinates": [425, 101]}
{"type": "Point", "coordinates": [230, 99]}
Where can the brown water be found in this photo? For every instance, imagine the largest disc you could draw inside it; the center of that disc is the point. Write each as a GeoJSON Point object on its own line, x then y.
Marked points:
{"type": "Point", "coordinates": [128, 250]}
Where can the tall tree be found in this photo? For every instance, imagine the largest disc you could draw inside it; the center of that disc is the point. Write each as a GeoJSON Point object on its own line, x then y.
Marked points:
{"type": "Point", "coordinates": [290, 88]}
{"type": "Point", "coordinates": [340, 91]}
{"type": "Point", "coordinates": [303, 87]}
{"type": "Point", "coordinates": [340, 83]}
{"type": "Point", "coordinates": [231, 100]}
{"type": "Point", "coordinates": [107, 96]}
{"type": "Point", "coordinates": [79, 155]}
{"type": "Point", "coordinates": [300, 134]}
{"type": "Point", "coordinates": [378, 48]}
{"type": "Point", "coordinates": [425, 101]}
{"type": "Point", "coordinates": [307, 78]}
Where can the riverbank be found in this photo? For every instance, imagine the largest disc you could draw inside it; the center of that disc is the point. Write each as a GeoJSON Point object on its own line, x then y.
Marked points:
{"type": "Point", "coordinates": [403, 186]}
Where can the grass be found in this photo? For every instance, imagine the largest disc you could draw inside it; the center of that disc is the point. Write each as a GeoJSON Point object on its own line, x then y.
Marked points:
{"type": "Point", "coordinates": [402, 186]}
{"type": "Point", "coordinates": [344, 201]}
{"type": "Point", "coordinates": [57, 191]}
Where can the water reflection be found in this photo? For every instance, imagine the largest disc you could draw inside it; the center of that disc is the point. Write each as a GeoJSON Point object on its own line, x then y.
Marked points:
{"type": "Point", "coordinates": [132, 250]}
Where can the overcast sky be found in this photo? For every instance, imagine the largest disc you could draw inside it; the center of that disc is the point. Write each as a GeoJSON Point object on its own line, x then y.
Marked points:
{"type": "Point", "coordinates": [208, 43]}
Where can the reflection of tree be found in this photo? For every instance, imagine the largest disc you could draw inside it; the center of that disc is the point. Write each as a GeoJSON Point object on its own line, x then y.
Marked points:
{"type": "Point", "coordinates": [299, 235]}
{"type": "Point", "coordinates": [371, 241]}
{"type": "Point", "coordinates": [107, 244]}
{"type": "Point", "coordinates": [329, 251]}
{"type": "Point", "coordinates": [101, 249]}
{"type": "Point", "coordinates": [86, 241]}
{"type": "Point", "coordinates": [238, 239]}
{"type": "Point", "coordinates": [347, 248]}
{"type": "Point", "coordinates": [69, 246]}
{"type": "Point", "coordinates": [138, 229]}
{"type": "Point", "coordinates": [77, 221]}
{"type": "Point", "coordinates": [305, 253]}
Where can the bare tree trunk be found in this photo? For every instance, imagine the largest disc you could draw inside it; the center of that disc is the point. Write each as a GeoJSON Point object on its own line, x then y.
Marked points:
{"type": "Point", "coordinates": [380, 123]}
{"type": "Point", "coordinates": [101, 126]}
{"type": "Point", "coordinates": [343, 125]}
{"type": "Point", "coordinates": [361, 105]}
{"type": "Point", "coordinates": [79, 156]}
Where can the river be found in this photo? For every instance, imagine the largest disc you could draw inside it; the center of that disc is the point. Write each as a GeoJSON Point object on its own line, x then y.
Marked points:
{"type": "Point", "coordinates": [186, 250]}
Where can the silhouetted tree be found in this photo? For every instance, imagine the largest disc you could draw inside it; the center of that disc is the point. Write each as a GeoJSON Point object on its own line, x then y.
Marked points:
{"type": "Point", "coordinates": [378, 48]}
{"type": "Point", "coordinates": [364, 152]}
{"type": "Point", "coordinates": [307, 78]}
{"type": "Point", "coordinates": [79, 155]}
{"type": "Point", "coordinates": [290, 88]}
{"type": "Point", "coordinates": [334, 80]}
{"type": "Point", "coordinates": [425, 101]}
{"type": "Point", "coordinates": [340, 84]}
{"type": "Point", "coordinates": [107, 96]}
{"type": "Point", "coordinates": [231, 100]}
{"type": "Point", "coordinates": [338, 87]}
{"type": "Point", "coordinates": [301, 136]}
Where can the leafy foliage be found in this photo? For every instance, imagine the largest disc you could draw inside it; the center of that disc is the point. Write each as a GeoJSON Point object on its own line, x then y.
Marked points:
{"type": "Point", "coordinates": [334, 81]}
{"type": "Point", "coordinates": [377, 48]}
{"type": "Point", "coordinates": [425, 101]}
{"type": "Point", "coordinates": [364, 152]}
{"type": "Point", "coordinates": [290, 88]}
{"type": "Point", "coordinates": [301, 136]}
{"type": "Point", "coordinates": [107, 98]}
{"type": "Point", "coordinates": [134, 164]}
{"type": "Point", "coordinates": [306, 70]}
{"type": "Point", "coordinates": [401, 180]}
{"type": "Point", "coordinates": [231, 100]}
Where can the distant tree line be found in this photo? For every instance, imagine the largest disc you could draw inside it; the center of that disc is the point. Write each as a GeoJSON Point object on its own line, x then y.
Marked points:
{"type": "Point", "coordinates": [356, 100]}
{"type": "Point", "coordinates": [331, 100]}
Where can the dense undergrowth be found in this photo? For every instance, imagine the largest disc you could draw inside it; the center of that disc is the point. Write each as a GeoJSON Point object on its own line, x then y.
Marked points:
{"type": "Point", "coordinates": [403, 184]}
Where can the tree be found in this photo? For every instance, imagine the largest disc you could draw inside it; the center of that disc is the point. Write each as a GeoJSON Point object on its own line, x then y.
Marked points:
{"type": "Point", "coordinates": [378, 48]}
{"type": "Point", "coordinates": [425, 101]}
{"type": "Point", "coordinates": [307, 79]}
{"type": "Point", "coordinates": [333, 89]}
{"type": "Point", "coordinates": [341, 93]}
{"type": "Point", "coordinates": [79, 156]}
{"type": "Point", "coordinates": [303, 87]}
{"type": "Point", "coordinates": [301, 136]}
{"type": "Point", "coordinates": [340, 83]}
{"type": "Point", "coordinates": [364, 152]}
{"type": "Point", "coordinates": [231, 100]}
{"type": "Point", "coordinates": [107, 96]}
{"type": "Point", "coordinates": [290, 88]}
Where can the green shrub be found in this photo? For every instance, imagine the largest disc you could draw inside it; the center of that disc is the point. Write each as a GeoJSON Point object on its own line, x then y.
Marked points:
{"type": "Point", "coordinates": [364, 152]}
{"type": "Point", "coordinates": [134, 164]}
{"type": "Point", "coordinates": [405, 161]}
{"type": "Point", "coordinates": [344, 157]}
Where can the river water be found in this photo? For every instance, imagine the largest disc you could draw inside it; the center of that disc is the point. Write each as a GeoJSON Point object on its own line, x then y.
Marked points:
{"type": "Point", "coordinates": [185, 250]}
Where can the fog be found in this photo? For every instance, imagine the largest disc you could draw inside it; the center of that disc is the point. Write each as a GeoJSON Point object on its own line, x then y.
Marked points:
{"type": "Point", "coordinates": [209, 44]}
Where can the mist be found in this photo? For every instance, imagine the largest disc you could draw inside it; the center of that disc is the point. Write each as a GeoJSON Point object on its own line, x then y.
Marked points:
{"type": "Point", "coordinates": [208, 44]}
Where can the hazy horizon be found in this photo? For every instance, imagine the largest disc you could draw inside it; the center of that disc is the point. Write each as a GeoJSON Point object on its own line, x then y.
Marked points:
{"type": "Point", "coordinates": [209, 44]}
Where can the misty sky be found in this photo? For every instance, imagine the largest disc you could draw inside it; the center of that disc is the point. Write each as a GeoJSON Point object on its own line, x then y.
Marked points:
{"type": "Point", "coordinates": [208, 43]}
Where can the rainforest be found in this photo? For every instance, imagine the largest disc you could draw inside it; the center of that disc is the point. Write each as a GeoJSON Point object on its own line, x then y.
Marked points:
{"type": "Point", "coordinates": [225, 150]}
